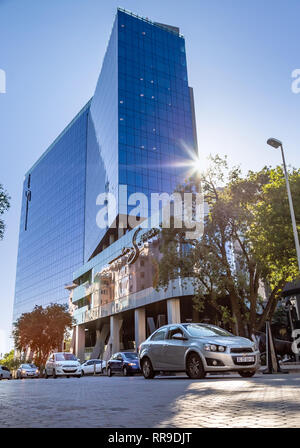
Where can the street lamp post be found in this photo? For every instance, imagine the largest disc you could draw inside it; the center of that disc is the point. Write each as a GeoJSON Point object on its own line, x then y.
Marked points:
{"type": "Point", "coordinates": [276, 144]}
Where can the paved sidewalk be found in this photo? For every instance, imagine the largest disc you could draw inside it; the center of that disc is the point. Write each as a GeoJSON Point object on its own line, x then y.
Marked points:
{"type": "Point", "coordinates": [265, 401]}
{"type": "Point", "coordinates": [129, 402]}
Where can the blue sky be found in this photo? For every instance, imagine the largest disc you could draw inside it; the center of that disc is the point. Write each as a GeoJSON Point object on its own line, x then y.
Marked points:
{"type": "Point", "coordinates": [241, 54]}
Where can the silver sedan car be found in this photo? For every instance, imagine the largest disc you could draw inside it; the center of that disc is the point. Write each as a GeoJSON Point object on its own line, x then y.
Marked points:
{"type": "Point", "coordinates": [197, 349]}
{"type": "Point", "coordinates": [27, 371]}
{"type": "Point", "coordinates": [5, 373]}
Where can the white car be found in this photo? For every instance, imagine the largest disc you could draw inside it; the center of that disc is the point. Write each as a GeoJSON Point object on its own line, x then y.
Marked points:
{"type": "Point", "coordinates": [62, 364]}
{"type": "Point", "coordinates": [4, 373]}
{"type": "Point", "coordinates": [93, 365]}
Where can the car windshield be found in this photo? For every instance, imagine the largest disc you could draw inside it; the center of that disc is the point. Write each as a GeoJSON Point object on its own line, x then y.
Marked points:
{"type": "Point", "coordinates": [65, 357]}
{"type": "Point", "coordinates": [28, 366]}
{"type": "Point", "coordinates": [130, 355]}
{"type": "Point", "coordinates": [202, 331]}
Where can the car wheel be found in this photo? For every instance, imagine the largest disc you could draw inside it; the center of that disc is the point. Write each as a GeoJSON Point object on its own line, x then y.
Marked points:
{"type": "Point", "coordinates": [54, 374]}
{"type": "Point", "coordinates": [109, 372]}
{"type": "Point", "coordinates": [46, 374]}
{"type": "Point", "coordinates": [194, 367]}
{"type": "Point", "coordinates": [82, 372]}
{"type": "Point", "coordinates": [103, 371]}
{"type": "Point", "coordinates": [247, 374]}
{"type": "Point", "coordinates": [78, 376]}
{"type": "Point", "coordinates": [147, 369]}
{"type": "Point", "coordinates": [125, 371]}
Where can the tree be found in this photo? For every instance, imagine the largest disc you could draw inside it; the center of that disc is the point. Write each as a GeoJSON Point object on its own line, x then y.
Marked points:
{"type": "Point", "coordinates": [42, 331]}
{"type": "Point", "coordinates": [4, 206]}
{"type": "Point", "coordinates": [247, 243]}
{"type": "Point", "coordinates": [10, 361]}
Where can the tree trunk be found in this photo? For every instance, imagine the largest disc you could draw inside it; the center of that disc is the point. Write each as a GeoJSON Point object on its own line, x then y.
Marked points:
{"type": "Point", "coordinates": [271, 305]}
{"type": "Point", "coordinates": [236, 312]}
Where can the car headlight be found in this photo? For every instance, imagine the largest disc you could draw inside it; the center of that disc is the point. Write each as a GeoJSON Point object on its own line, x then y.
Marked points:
{"type": "Point", "coordinates": [210, 347]}
{"type": "Point", "coordinates": [214, 348]}
{"type": "Point", "coordinates": [37, 371]}
{"type": "Point", "coordinates": [23, 371]}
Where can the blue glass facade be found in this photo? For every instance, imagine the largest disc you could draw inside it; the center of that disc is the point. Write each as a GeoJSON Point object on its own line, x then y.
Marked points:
{"type": "Point", "coordinates": [136, 131]}
{"type": "Point", "coordinates": [141, 119]}
{"type": "Point", "coordinates": [155, 118]}
{"type": "Point", "coordinates": [52, 220]}
{"type": "Point", "coordinates": [102, 154]}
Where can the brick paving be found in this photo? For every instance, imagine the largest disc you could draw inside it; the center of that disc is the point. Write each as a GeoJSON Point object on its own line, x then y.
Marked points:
{"type": "Point", "coordinates": [262, 401]}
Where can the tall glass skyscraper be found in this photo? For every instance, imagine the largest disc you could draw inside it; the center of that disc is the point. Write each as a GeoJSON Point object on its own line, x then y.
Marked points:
{"type": "Point", "coordinates": [52, 220]}
{"type": "Point", "coordinates": [141, 123]}
{"type": "Point", "coordinates": [137, 130]}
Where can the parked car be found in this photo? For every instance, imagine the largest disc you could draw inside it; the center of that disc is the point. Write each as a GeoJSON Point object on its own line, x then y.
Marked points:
{"type": "Point", "coordinates": [62, 364]}
{"type": "Point", "coordinates": [5, 373]}
{"type": "Point", "coordinates": [126, 363]}
{"type": "Point", "coordinates": [197, 349]}
{"type": "Point", "coordinates": [93, 365]}
{"type": "Point", "coordinates": [28, 371]}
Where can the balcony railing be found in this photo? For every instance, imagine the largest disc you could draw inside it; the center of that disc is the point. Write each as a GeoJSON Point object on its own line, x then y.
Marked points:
{"type": "Point", "coordinates": [135, 300]}
{"type": "Point", "coordinates": [82, 291]}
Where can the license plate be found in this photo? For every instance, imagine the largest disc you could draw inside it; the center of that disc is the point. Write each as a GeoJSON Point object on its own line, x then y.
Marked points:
{"type": "Point", "coordinates": [245, 359]}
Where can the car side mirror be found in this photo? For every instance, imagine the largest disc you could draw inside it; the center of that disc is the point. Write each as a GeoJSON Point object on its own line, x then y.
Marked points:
{"type": "Point", "coordinates": [179, 337]}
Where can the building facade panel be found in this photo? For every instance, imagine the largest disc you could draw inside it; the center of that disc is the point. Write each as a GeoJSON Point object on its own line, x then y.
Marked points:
{"type": "Point", "coordinates": [52, 220]}
{"type": "Point", "coordinates": [155, 115]}
{"type": "Point", "coordinates": [102, 154]}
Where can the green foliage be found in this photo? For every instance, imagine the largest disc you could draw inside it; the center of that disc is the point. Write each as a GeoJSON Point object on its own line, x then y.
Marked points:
{"type": "Point", "coordinates": [42, 330]}
{"type": "Point", "coordinates": [247, 243]}
{"type": "Point", "coordinates": [4, 206]}
{"type": "Point", "coordinates": [10, 361]}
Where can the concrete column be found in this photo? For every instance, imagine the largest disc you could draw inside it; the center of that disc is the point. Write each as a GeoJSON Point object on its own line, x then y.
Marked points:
{"type": "Point", "coordinates": [115, 326]}
{"type": "Point", "coordinates": [100, 341]}
{"type": "Point", "coordinates": [79, 342]}
{"type": "Point", "coordinates": [173, 308]}
{"type": "Point", "coordinates": [139, 326]}
{"type": "Point", "coordinates": [121, 232]}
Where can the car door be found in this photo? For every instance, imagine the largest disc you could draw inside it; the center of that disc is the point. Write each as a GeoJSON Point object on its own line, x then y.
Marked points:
{"type": "Point", "coordinates": [5, 372]}
{"type": "Point", "coordinates": [98, 366]}
{"type": "Point", "coordinates": [156, 347]}
{"type": "Point", "coordinates": [174, 349]}
{"type": "Point", "coordinates": [112, 362]}
{"type": "Point", "coordinates": [49, 365]}
{"type": "Point", "coordinates": [89, 368]}
{"type": "Point", "coordinates": [119, 363]}
{"type": "Point", "coordinates": [93, 365]}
